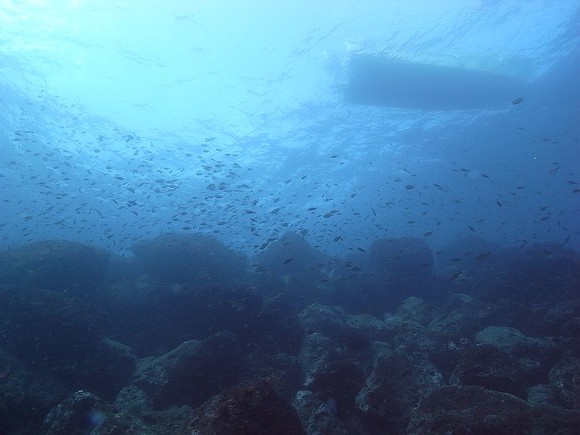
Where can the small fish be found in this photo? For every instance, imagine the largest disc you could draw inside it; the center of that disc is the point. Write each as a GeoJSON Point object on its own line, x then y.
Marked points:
{"type": "Point", "coordinates": [498, 202]}
{"type": "Point", "coordinates": [288, 260]}
{"type": "Point", "coordinates": [517, 100]}
{"type": "Point", "coordinates": [483, 256]}
{"type": "Point", "coordinates": [428, 233]}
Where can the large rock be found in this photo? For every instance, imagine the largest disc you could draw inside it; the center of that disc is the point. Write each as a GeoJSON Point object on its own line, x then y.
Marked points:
{"type": "Point", "coordinates": [50, 330]}
{"type": "Point", "coordinates": [475, 410]}
{"type": "Point", "coordinates": [489, 367]}
{"type": "Point", "coordinates": [565, 379]}
{"type": "Point", "coordinates": [292, 267]}
{"type": "Point", "coordinates": [564, 318]}
{"type": "Point", "coordinates": [403, 262]}
{"type": "Point", "coordinates": [161, 319]}
{"type": "Point", "coordinates": [355, 332]}
{"type": "Point", "coordinates": [83, 413]}
{"type": "Point", "coordinates": [327, 320]}
{"type": "Point", "coordinates": [378, 281]}
{"type": "Point", "coordinates": [395, 387]}
{"type": "Point", "coordinates": [289, 255]}
{"type": "Point", "coordinates": [535, 355]}
{"type": "Point", "coordinates": [249, 408]}
{"type": "Point", "coordinates": [318, 416]}
{"type": "Point", "coordinates": [109, 369]}
{"type": "Point", "coordinates": [192, 372]}
{"type": "Point", "coordinates": [415, 309]}
{"type": "Point", "coordinates": [26, 395]}
{"type": "Point", "coordinates": [472, 410]}
{"type": "Point", "coordinates": [543, 273]}
{"type": "Point", "coordinates": [196, 259]}
{"type": "Point", "coordinates": [56, 265]}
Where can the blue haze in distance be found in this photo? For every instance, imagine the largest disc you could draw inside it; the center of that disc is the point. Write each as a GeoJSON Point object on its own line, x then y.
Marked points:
{"type": "Point", "coordinates": [125, 120]}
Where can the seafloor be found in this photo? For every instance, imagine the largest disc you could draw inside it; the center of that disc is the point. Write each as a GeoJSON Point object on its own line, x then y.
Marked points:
{"type": "Point", "coordinates": [190, 337]}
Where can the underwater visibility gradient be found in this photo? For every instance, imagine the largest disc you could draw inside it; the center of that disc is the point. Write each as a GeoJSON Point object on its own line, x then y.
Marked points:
{"type": "Point", "coordinates": [346, 217]}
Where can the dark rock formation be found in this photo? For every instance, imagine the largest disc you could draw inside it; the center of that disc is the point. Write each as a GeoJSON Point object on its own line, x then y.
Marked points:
{"type": "Point", "coordinates": [475, 410]}
{"type": "Point", "coordinates": [395, 387]}
{"type": "Point", "coordinates": [55, 265]}
{"type": "Point", "coordinates": [50, 330]}
{"type": "Point", "coordinates": [368, 350]}
{"type": "Point", "coordinates": [83, 412]}
{"type": "Point", "coordinates": [392, 270]}
{"type": "Point", "coordinates": [489, 367]}
{"type": "Point", "coordinates": [564, 318]}
{"type": "Point", "coordinates": [159, 318]}
{"type": "Point", "coordinates": [318, 416]}
{"type": "Point", "coordinates": [251, 408]}
{"type": "Point", "coordinates": [192, 372]}
{"type": "Point", "coordinates": [194, 259]}
{"type": "Point", "coordinates": [403, 262]}
{"type": "Point", "coordinates": [290, 254]}
{"type": "Point", "coordinates": [565, 379]}
{"type": "Point", "coordinates": [292, 267]}
{"type": "Point", "coordinates": [26, 396]}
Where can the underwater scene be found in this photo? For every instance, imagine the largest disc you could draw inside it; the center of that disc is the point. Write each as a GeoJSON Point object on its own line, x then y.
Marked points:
{"type": "Point", "coordinates": [289, 217]}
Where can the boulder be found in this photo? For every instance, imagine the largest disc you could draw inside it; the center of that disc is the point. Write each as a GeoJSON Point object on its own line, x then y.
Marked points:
{"type": "Point", "coordinates": [51, 330]}
{"type": "Point", "coordinates": [195, 259]}
{"type": "Point", "coordinates": [253, 407]}
{"type": "Point", "coordinates": [565, 379]}
{"type": "Point", "coordinates": [26, 395]}
{"type": "Point", "coordinates": [476, 410]}
{"type": "Point", "coordinates": [192, 372]}
{"type": "Point", "coordinates": [395, 387]}
{"type": "Point", "coordinates": [473, 410]}
{"type": "Point", "coordinates": [489, 367]}
{"type": "Point", "coordinates": [405, 263]}
{"type": "Point", "coordinates": [55, 265]}
{"type": "Point", "coordinates": [318, 416]}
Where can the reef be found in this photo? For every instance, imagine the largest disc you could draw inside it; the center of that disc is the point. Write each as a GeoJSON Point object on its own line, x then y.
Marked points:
{"type": "Point", "coordinates": [189, 336]}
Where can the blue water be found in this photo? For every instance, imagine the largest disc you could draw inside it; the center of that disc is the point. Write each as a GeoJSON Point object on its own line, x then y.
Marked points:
{"type": "Point", "coordinates": [125, 120]}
